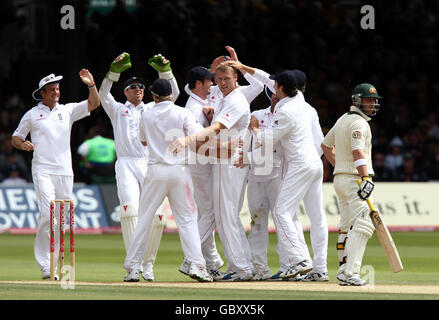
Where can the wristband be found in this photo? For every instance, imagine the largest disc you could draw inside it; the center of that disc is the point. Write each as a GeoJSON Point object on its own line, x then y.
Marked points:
{"type": "Point", "coordinates": [113, 76]}
{"type": "Point", "coordinates": [167, 75]}
{"type": "Point", "coordinates": [92, 86]}
{"type": "Point", "coordinates": [360, 162]}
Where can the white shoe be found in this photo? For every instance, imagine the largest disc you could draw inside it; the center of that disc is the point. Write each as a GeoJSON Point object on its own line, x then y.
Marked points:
{"type": "Point", "coordinates": [353, 280]}
{"type": "Point", "coordinates": [261, 275]}
{"type": "Point", "coordinates": [132, 276]}
{"type": "Point", "coordinates": [46, 275]}
{"type": "Point", "coordinates": [199, 273]}
{"type": "Point", "coordinates": [316, 276]}
{"type": "Point", "coordinates": [301, 268]}
{"type": "Point", "coordinates": [185, 267]}
{"type": "Point", "coordinates": [235, 276]}
{"type": "Point", "coordinates": [217, 275]}
{"type": "Point", "coordinates": [148, 275]}
{"type": "Point", "coordinates": [147, 272]}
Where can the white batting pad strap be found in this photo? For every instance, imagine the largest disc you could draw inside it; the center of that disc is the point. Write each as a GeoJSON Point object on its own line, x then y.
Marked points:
{"type": "Point", "coordinates": [159, 220]}
{"type": "Point", "coordinates": [360, 162]}
{"type": "Point", "coordinates": [113, 76]}
{"type": "Point", "coordinates": [364, 226]}
{"type": "Point", "coordinates": [128, 210]}
{"type": "Point", "coordinates": [168, 75]}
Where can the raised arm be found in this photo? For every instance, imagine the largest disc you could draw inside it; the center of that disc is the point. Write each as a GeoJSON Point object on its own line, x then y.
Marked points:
{"type": "Point", "coordinates": [119, 65]}
{"type": "Point", "coordinates": [93, 95]}
{"type": "Point", "coordinates": [163, 67]}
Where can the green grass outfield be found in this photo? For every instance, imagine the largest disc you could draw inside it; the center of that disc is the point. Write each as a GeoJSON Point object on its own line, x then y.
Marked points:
{"type": "Point", "coordinates": [99, 273]}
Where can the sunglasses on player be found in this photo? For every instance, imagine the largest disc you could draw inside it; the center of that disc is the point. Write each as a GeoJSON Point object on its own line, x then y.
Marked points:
{"type": "Point", "coordinates": [135, 86]}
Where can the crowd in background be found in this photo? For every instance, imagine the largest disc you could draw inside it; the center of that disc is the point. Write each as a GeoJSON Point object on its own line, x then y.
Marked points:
{"type": "Point", "coordinates": [322, 38]}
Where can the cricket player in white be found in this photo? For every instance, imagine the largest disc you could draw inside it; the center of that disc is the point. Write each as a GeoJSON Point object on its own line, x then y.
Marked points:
{"type": "Point", "coordinates": [132, 156]}
{"type": "Point", "coordinates": [199, 81]}
{"type": "Point", "coordinates": [49, 124]}
{"type": "Point", "coordinates": [203, 109]}
{"type": "Point", "coordinates": [167, 175]}
{"type": "Point", "coordinates": [313, 199]}
{"type": "Point", "coordinates": [348, 147]}
{"type": "Point", "coordinates": [230, 121]}
{"type": "Point", "coordinates": [262, 191]}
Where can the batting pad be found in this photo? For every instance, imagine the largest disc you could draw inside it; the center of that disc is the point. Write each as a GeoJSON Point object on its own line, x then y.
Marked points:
{"type": "Point", "coordinates": [355, 246]}
{"type": "Point", "coordinates": [153, 242]}
{"type": "Point", "coordinates": [128, 221]}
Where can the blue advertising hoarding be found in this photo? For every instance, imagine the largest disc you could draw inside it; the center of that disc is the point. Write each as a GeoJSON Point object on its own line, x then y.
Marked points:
{"type": "Point", "coordinates": [19, 209]}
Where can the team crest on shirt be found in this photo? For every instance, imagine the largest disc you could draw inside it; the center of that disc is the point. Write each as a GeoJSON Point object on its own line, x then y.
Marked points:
{"type": "Point", "coordinates": [356, 134]}
{"type": "Point", "coordinates": [60, 117]}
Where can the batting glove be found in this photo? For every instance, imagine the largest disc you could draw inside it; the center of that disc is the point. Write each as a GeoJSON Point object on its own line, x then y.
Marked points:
{"type": "Point", "coordinates": [162, 66]}
{"type": "Point", "coordinates": [366, 188]}
{"type": "Point", "coordinates": [119, 65]}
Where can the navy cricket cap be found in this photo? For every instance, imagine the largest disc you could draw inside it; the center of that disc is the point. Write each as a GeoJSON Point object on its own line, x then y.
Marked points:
{"type": "Point", "coordinates": [300, 77]}
{"type": "Point", "coordinates": [285, 78]}
{"type": "Point", "coordinates": [199, 73]}
{"type": "Point", "coordinates": [161, 88]}
{"type": "Point", "coordinates": [133, 80]}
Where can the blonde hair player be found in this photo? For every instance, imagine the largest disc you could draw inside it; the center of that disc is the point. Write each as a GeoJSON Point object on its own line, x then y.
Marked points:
{"type": "Point", "coordinates": [49, 124]}
{"type": "Point", "coordinates": [348, 147]}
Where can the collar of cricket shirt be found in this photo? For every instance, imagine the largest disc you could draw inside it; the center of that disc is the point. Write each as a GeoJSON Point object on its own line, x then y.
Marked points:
{"type": "Point", "coordinates": [356, 109]}
{"type": "Point", "coordinates": [41, 105]}
{"type": "Point", "coordinates": [132, 106]}
{"type": "Point", "coordinates": [198, 98]}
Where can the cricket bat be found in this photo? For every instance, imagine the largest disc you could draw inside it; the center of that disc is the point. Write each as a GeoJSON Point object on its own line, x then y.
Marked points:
{"type": "Point", "coordinates": [384, 237]}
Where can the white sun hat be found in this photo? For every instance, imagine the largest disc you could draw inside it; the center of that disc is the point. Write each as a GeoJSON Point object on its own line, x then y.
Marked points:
{"type": "Point", "coordinates": [51, 78]}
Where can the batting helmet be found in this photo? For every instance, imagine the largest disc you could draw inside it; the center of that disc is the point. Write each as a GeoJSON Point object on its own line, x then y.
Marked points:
{"type": "Point", "coordinates": [365, 90]}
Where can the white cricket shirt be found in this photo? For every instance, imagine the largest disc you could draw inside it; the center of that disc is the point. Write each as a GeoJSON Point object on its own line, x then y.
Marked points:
{"type": "Point", "coordinates": [292, 126]}
{"type": "Point", "coordinates": [50, 134]}
{"type": "Point", "coordinates": [195, 105]}
{"type": "Point", "coordinates": [125, 119]}
{"type": "Point", "coordinates": [265, 119]}
{"type": "Point", "coordinates": [163, 124]}
{"type": "Point", "coordinates": [233, 111]}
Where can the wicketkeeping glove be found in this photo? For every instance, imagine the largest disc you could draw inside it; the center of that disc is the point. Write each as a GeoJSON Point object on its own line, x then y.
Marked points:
{"type": "Point", "coordinates": [366, 188]}
{"type": "Point", "coordinates": [119, 65]}
{"type": "Point", "coordinates": [162, 66]}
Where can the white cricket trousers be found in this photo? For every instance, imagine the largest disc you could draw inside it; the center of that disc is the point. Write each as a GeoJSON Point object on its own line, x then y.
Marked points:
{"type": "Point", "coordinates": [130, 174]}
{"type": "Point", "coordinates": [174, 182]}
{"type": "Point", "coordinates": [49, 187]}
{"type": "Point", "coordinates": [203, 193]}
{"type": "Point", "coordinates": [296, 185]}
{"type": "Point", "coordinates": [262, 197]}
{"type": "Point", "coordinates": [351, 205]}
{"type": "Point", "coordinates": [228, 189]}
